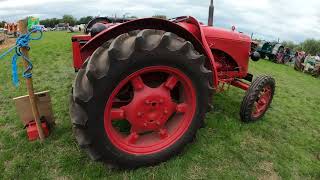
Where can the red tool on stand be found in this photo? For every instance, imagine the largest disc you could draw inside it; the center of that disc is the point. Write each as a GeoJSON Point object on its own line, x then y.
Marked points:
{"type": "Point", "coordinates": [34, 109]}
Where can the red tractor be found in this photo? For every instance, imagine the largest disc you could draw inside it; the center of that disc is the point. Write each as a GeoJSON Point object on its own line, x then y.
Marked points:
{"type": "Point", "coordinates": [143, 87]}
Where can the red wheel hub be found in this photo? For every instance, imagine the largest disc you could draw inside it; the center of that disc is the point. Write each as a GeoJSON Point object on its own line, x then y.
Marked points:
{"type": "Point", "coordinates": [156, 117]}
{"type": "Point", "coordinates": [263, 101]}
{"type": "Point", "coordinates": [150, 109]}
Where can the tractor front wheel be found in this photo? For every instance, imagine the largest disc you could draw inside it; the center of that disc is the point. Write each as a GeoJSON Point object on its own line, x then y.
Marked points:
{"type": "Point", "coordinates": [257, 99]}
{"type": "Point", "coordinates": [140, 98]}
{"type": "Point", "coordinates": [272, 57]}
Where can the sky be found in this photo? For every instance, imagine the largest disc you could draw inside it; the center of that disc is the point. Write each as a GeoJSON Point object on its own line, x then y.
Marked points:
{"type": "Point", "coordinates": [294, 20]}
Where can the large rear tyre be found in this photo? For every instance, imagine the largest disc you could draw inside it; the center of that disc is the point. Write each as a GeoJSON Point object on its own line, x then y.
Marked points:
{"type": "Point", "coordinates": [257, 99]}
{"type": "Point", "coordinates": [140, 99]}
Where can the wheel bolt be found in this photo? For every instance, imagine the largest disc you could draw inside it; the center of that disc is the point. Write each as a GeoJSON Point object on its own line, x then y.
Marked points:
{"type": "Point", "coordinates": [158, 123]}
{"type": "Point", "coordinates": [147, 101]}
{"type": "Point", "coordinates": [161, 101]}
{"type": "Point", "coordinates": [139, 114]}
{"type": "Point", "coordinates": [163, 133]}
{"type": "Point", "coordinates": [178, 109]}
{"type": "Point", "coordinates": [165, 111]}
{"type": "Point", "coordinates": [145, 124]}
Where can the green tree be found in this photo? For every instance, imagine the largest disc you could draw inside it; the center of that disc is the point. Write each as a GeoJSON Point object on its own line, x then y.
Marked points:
{"type": "Point", "coordinates": [50, 22]}
{"type": "Point", "coordinates": [69, 19]}
{"type": "Point", "coordinates": [298, 48]}
{"type": "Point", "coordinates": [311, 46]}
{"type": "Point", "coordinates": [45, 22]}
{"type": "Point", "coordinates": [85, 20]}
{"type": "Point", "coordinates": [2, 24]}
{"type": "Point", "coordinates": [290, 44]}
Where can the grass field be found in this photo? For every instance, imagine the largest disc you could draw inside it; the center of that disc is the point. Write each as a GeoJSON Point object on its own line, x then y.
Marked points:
{"type": "Point", "coordinates": [285, 144]}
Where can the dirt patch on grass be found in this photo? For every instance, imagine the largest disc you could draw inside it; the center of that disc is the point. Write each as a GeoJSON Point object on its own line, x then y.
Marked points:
{"type": "Point", "coordinates": [269, 172]}
{"type": "Point", "coordinates": [196, 172]}
{"type": "Point", "coordinates": [8, 43]}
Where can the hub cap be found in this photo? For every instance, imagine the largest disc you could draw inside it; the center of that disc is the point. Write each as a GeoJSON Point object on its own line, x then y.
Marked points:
{"type": "Point", "coordinates": [260, 106]}
{"type": "Point", "coordinates": [159, 110]}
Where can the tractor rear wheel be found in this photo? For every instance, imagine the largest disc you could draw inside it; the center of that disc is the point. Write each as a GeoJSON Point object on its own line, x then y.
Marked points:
{"type": "Point", "coordinates": [257, 99]}
{"type": "Point", "coordinates": [140, 98]}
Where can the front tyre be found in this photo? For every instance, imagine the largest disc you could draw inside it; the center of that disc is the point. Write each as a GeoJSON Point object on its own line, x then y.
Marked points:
{"type": "Point", "coordinates": [257, 99]}
{"type": "Point", "coordinates": [140, 98]}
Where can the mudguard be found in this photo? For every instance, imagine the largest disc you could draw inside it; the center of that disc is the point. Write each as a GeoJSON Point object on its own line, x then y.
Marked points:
{"type": "Point", "coordinates": [197, 37]}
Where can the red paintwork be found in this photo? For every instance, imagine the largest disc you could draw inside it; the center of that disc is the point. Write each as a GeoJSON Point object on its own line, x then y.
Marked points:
{"type": "Point", "coordinates": [149, 112]}
{"type": "Point", "coordinates": [233, 43]}
{"type": "Point", "coordinates": [32, 130]}
{"type": "Point", "coordinates": [194, 27]}
{"type": "Point", "coordinates": [77, 42]}
{"type": "Point", "coordinates": [240, 84]}
{"type": "Point", "coordinates": [263, 102]}
{"type": "Point", "coordinates": [204, 38]}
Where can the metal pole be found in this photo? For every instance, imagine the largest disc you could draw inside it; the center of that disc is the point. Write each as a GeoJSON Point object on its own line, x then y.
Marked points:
{"type": "Point", "coordinates": [211, 13]}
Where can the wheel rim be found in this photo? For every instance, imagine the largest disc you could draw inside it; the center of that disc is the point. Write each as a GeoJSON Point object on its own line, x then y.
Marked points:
{"type": "Point", "coordinates": [262, 102]}
{"type": "Point", "coordinates": [156, 117]}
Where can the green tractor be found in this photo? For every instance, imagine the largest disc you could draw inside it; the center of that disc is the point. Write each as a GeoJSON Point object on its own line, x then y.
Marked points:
{"type": "Point", "coordinates": [269, 49]}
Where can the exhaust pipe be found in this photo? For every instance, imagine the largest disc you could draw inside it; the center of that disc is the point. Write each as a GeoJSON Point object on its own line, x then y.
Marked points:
{"type": "Point", "coordinates": [211, 12]}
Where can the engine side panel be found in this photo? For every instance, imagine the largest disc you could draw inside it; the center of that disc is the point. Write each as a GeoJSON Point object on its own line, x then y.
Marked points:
{"type": "Point", "coordinates": [236, 45]}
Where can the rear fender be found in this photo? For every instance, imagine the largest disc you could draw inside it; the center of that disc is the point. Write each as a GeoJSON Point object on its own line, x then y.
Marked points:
{"type": "Point", "coordinates": [196, 38]}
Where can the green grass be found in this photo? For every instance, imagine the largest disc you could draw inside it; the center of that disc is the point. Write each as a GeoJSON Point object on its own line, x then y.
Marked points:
{"type": "Point", "coordinates": [285, 144]}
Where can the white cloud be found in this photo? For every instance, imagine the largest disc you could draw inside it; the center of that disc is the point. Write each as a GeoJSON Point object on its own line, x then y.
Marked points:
{"type": "Point", "coordinates": [287, 19]}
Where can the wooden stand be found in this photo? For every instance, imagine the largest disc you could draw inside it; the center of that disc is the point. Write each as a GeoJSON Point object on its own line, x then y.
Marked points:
{"type": "Point", "coordinates": [23, 108]}
{"type": "Point", "coordinates": [23, 24]}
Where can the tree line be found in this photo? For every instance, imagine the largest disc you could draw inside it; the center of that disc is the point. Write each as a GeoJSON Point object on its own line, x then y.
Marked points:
{"type": "Point", "coordinates": [310, 46]}
{"type": "Point", "coordinates": [71, 20]}
{"type": "Point", "coordinates": [51, 22]}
